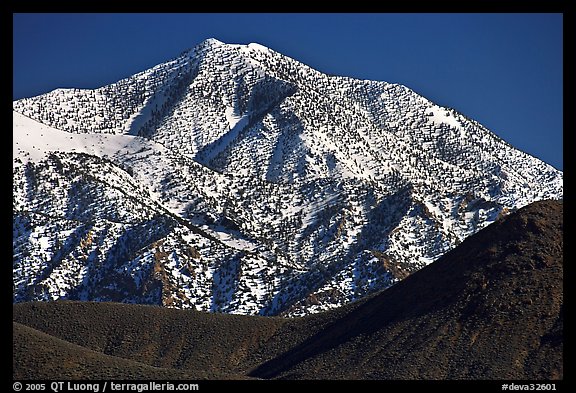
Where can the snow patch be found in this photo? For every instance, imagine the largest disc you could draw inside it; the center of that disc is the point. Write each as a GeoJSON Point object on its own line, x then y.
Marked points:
{"type": "Point", "coordinates": [34, 141]}
{"type": "Point", "coordinates": [442, 116]}
{"type": "Point", "coordinates": [257, 47]}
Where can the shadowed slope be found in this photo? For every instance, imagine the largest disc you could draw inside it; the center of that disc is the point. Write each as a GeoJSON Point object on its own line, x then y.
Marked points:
{"type": "Point", "coordinates": [156, 336]}
{"type": "Point", "coordinates": [37, 355]}
{"type": "Point", "coordinates": [491, 308]}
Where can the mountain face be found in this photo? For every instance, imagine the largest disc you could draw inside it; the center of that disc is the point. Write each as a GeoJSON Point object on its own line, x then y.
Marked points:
{"type": "Point", "coordinates": [235, 179]}
{"type": "Point", "coordinates": [492, 308]}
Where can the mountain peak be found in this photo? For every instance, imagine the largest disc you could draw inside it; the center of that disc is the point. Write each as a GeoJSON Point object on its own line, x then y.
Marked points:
{"type": "Point", "coordinates": [240, 180]}
{"type": "Point", "coordinates": [212, 42]}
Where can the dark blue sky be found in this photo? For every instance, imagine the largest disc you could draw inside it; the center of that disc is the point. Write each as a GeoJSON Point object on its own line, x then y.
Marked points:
{"type": "Point", "coordinates": [504, 70]}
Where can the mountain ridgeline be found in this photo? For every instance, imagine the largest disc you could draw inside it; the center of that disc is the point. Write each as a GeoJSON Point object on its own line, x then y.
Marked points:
{"type": "Point", "coordinates": [492, 308]}
{"type": "Point", "coordinates": [234, 179]}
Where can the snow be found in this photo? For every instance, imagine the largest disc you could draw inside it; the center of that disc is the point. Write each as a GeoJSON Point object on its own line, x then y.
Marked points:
{"type": "Point", "coordinates": [34, 141]}
{"type": "Point", "coordinates": [442, 116]}
{"type": "Point", "coordinates": [236, 125]}
{"type": "Point", "coordinates": [230, 239]}
{"type": "Point", "coordinates": [327, 176]}
{"type": "Point", "coordinates": [316, 207]}
{"type": "Point", "coordinates": [257, 47]}
{"type": "Point", "coordinates": [231, 117]}
{"type": "Point", "coordinates": [139, 118]}
{"type": "Point", "coordinates": [213, 42]}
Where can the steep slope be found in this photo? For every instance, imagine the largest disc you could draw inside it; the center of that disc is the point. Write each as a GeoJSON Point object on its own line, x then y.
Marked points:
{"type": "Point", "coordinates": [490, 309]}
{"type": "Point", "coordinates": [272, 188]}
{"type": "Point", "coordinates": [85, 228]}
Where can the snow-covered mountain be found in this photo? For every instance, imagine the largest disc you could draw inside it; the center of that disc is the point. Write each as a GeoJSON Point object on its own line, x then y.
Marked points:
{"type": "Point", "coordinates": [235, 179]}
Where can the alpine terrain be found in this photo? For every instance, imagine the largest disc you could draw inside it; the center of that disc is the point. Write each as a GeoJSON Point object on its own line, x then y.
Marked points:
{"type": "Point", "coordinates": [235, 179]}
